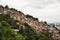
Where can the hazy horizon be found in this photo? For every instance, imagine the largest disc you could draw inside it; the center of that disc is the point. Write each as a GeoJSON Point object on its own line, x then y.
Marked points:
{"type": "Point", "coordinates": [44, 10]}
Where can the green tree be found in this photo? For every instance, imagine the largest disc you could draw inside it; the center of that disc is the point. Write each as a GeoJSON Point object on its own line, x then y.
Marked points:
{"type": "Point", "coordinates": [11, 21]}
{"type": "Point", "coordinates": [44, 35]}
{"type": "Point", "coordinates": [28, 32]}
{"type": "Point", "coordinates": [6, 33]}
{"type": "Point", "coordinates": [6, 6]}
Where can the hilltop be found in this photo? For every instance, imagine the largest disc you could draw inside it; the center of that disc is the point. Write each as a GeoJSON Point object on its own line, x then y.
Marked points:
{"type": "Point", "coordinates": [22, 20]}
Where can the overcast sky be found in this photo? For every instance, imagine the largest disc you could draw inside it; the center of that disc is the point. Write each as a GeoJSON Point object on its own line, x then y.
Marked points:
{"type": "Point", "coordinates": [45, 10]}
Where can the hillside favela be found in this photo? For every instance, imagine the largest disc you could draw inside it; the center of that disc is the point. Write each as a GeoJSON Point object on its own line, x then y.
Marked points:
{"type": "Point", "coordinates": [15, 25]}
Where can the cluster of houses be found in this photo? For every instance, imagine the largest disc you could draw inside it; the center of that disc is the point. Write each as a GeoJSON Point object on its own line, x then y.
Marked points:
{"type": "Point", "coordinates": [33, 22]}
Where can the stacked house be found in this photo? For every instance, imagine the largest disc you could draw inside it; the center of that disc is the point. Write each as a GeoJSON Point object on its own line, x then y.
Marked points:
{"type": "Point", "coordinates": [33, 22]}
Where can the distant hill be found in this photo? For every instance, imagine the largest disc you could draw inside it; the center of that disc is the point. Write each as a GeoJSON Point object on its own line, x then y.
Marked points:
{"type": "Point", "coordinates": [55, 23]}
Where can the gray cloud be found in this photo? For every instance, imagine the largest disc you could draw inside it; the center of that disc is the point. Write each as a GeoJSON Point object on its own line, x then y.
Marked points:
{"type": "Point", "coordinates": [41, 3]}
{"type": "Point", "coordinates": [0, 0]}
{"type": "Point", "coordinates": [48, 10]}
{"type": "Point", "coordinates": [58, 0]}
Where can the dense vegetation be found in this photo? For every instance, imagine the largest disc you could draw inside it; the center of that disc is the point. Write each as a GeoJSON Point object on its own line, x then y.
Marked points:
{"type": "Point", "coordinates": [7, 25]}
{"type": "Point", "coordinates": [6, 32]}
